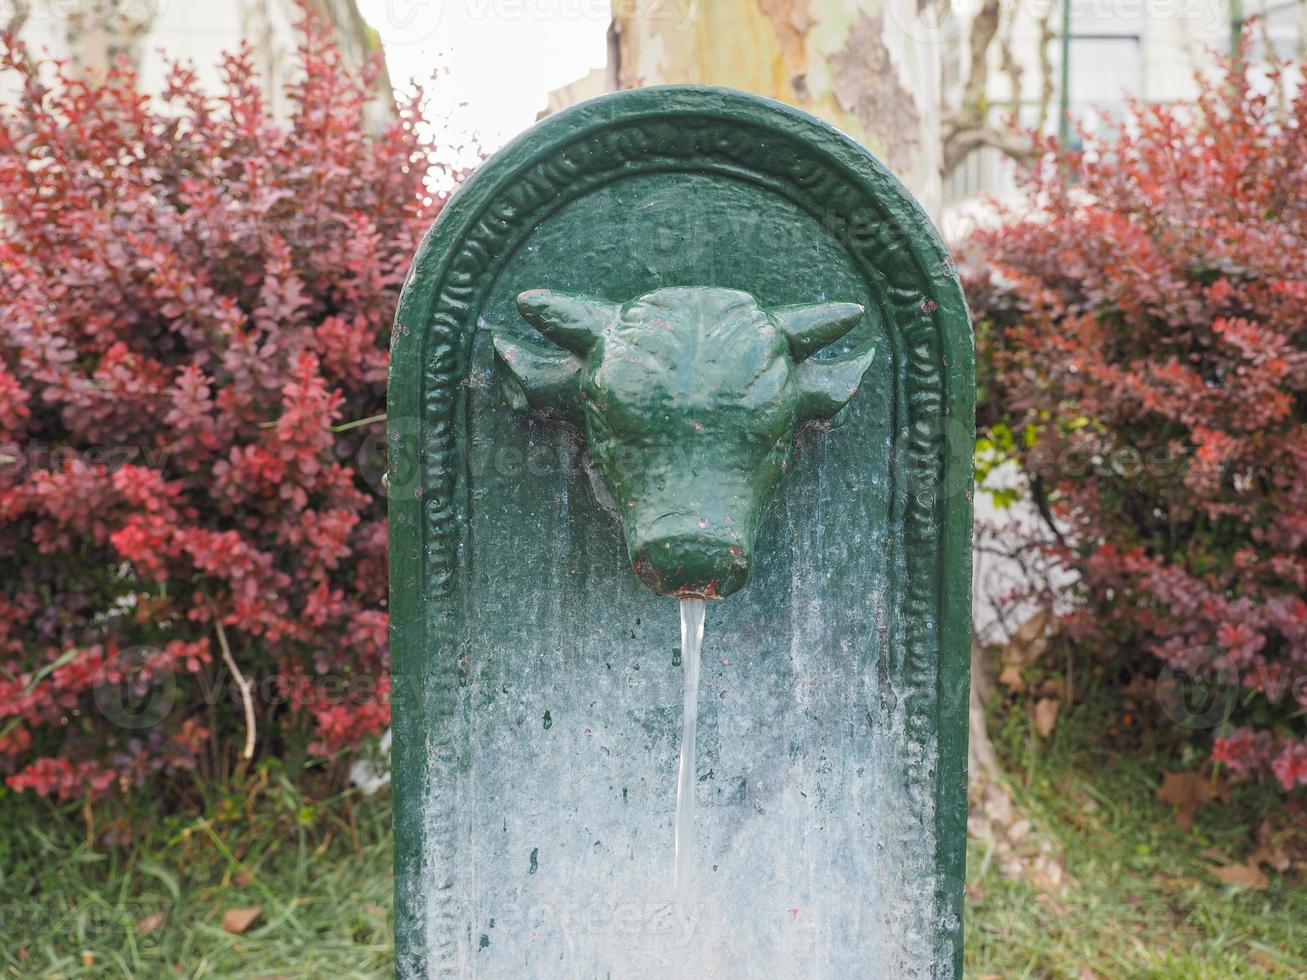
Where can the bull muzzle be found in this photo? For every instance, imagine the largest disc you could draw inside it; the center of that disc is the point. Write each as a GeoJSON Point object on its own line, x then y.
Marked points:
{"type": "Point", "coordinates": [682, 555]}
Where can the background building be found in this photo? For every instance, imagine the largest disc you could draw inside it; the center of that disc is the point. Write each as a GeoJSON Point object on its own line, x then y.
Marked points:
{"type": "Point", "coordinates": [1115, 51]}
{"type": "Point", "coordinates": [90, 34]}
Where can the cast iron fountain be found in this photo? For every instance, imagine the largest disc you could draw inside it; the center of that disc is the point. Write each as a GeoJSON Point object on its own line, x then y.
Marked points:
{"type": "Point", "coordinates": [761, 361]}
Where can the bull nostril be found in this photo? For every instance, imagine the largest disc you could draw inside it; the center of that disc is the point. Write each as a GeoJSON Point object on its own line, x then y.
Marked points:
{"type": "Point", "coordinates": [646, 572]}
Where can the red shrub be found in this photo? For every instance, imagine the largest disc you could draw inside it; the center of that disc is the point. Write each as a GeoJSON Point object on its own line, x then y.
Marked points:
{"type": "Point", "coordinates": [193, 294]}
{"type": "Point", "coordinates": [1145, 325]}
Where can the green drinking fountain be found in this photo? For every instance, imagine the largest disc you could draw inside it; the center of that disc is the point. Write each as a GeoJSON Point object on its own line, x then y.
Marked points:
{"type": "Point", "coordinates": [680, 342]}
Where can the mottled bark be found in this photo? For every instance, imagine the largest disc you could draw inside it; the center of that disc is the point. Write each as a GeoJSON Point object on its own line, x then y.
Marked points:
{"type": "Point", "coordinates": [869, 68]}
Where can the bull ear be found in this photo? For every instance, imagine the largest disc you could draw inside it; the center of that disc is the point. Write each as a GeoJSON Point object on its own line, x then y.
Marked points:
{"type": "Point", "coordinates": [811, 326]}
{"type": "Point", "coordinates": [574, 322]}
{"type": "Point", "coordinates": [827, 387]}
{"type": "Point", "coordinates": [539, 379]}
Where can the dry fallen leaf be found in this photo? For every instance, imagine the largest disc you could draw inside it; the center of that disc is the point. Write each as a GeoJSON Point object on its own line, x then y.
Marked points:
{"type": "Point", "coordinates": [1247, 875]}
{"type": "Point", "coordinates": [1269, 850]}
{"type": "Point", "coordinates": [149, 923]}
{"type": "Point", "coordinates": [236, 921]}
{"type": "Point", "coordinates": [1186, 791]}
{"type": "Point", "coordinates": [1053, 687]}
{"type": "Point", "coordinates": [1268, 964]}
{"type": "Point", "coordinates": [1018, 831]}
{"type": "Point", "coordinates": [1011, 679]}
{"type": "Point", "coordinates": [243, 878]}
{"type": "Point", "coordinates": [1049, 875]}
{"type": "Point", "coordinates": [1031, 640]}
{"type": "Point", "coordinates": [1274, 859]}
{"type": "Point", "coordinates": [1045, 716]}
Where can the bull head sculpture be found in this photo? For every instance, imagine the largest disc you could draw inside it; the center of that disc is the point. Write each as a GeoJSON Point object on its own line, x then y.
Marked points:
{"type": "Point", "coordinates": [688, 399]}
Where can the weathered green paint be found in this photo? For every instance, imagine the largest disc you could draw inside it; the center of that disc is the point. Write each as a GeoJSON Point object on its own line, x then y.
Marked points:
{"type": "Point", "coordinates": [832, 775]}
{"type": "Point", "coordinates": [688, 397]}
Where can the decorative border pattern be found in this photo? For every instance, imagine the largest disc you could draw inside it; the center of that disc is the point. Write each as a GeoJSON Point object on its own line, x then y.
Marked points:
{"type": "Point", "coordinates": [700, 130]}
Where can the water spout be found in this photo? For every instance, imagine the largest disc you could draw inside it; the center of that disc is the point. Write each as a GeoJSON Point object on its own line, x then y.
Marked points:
{"type": "Point", "coordinates": [692, 612]}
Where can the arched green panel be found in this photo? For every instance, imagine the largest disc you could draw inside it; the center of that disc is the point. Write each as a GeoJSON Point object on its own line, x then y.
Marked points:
{"type": "Point", "coordinates": [534, 687]}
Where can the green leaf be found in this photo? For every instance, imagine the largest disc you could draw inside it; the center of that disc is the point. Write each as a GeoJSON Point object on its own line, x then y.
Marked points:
{"type": "Point", "coordinates": [165, 876]}
{"type": "Point", "coordinates": [67, 657]}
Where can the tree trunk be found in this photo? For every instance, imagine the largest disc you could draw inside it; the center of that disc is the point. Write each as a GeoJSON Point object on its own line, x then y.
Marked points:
{"type": "Point", "coordinates": [981, 762]}
{"type": "Point", "coordinates": [872, 69]}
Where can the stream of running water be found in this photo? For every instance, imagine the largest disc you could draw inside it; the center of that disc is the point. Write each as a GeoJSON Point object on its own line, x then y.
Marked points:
{"type": "Point", "coordinates": [692, 612]}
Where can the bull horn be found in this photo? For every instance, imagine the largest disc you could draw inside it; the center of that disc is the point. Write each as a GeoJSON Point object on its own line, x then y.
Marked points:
{"type": "Point", "coordinates": [811, 326]}
{"type": "Point", "coordinates": [827, 387]}
{"type": "Point", "coordinates": [536, 378]}
{"type": "Point", "coordinates": [574, 322]}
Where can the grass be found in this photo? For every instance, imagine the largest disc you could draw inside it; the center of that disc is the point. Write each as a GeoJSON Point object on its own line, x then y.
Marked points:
{"type": "Point", "coordinates": [1141, 901]}
{"type": "Point", "coordinates": [319, 872]}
